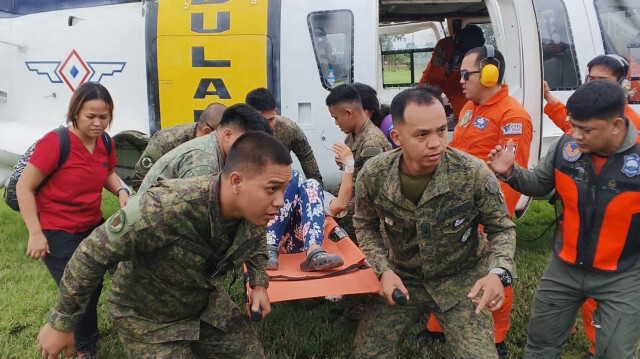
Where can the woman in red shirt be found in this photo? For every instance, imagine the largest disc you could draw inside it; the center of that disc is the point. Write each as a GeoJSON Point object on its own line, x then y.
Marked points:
{"type": "Point", "coordinates": [63, 210]}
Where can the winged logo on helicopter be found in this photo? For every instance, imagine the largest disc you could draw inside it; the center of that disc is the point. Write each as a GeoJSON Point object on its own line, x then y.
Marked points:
{"type": "Point", "coordinates": [74, 71]}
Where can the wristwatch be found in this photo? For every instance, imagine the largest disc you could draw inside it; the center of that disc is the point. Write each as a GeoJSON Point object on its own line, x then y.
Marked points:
{"type": "Point", "coordinates": [505, 276]}
{"type": "Point", "coordinates": [123, 189]}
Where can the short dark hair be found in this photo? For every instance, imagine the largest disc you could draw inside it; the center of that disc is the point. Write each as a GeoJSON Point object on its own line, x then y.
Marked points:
{"type": "Point", "coordinates": [617, 64]}
{"type": "Point", "coordinates": [86, 92]}
{"type": "Point", "coordinates": [252, 151]}
{"type": "Point", "coordinates": [601, 99]}
{"type": "Point", "coordinates": [342, 94]}
{"type": "Point", "coordinates": [261, 99]}
{"type": "Point", "coordinates": [421, 95]}
{"type": "Point", "coordinates": [212, 115]}
{"type": "Point", "coordinates": [243, 117]}
{"type": "Point", "coordinates": [482, 54]}
{"type": "Point", "coordinates": [469, 37]}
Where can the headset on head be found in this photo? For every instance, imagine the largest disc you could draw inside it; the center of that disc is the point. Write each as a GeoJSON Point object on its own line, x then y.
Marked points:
{"type": "Point", "coordinates": [625, 68]}
{"type": "Point", "coordinates": [489, 68]}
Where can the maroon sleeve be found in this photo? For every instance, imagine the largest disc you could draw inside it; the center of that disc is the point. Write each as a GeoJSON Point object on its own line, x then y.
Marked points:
{"type": "Point", "coordinates": [46, 154]}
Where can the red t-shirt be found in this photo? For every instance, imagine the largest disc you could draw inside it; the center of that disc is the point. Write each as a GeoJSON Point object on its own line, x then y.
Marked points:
{"type": "Point", "coordinates": [70, 200]}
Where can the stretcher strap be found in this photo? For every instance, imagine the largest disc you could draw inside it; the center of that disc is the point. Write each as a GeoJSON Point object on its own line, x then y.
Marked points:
{"type": "Point", "coordinates": [351, 268]}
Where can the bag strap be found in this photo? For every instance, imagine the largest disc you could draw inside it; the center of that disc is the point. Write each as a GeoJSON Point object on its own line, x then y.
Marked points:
{"type": "Point", "coordinates": [65, 146]}
{"type": "Point", "coordinates": [64, 143]}
{"type": "Point", "coordinates": [106, 140]}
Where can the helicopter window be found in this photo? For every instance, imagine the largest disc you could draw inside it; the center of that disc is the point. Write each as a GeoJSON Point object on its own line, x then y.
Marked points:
{"type": "Point", "coordinates": [332, 38]}
{"type": "Point", "coordinates": [559, 60]}
{"type": "Point", "coordinates": [620, 24]}
{"type": "Point", "coordinates": [25, 7]}
{"type": "Point", "coordinates": [405, 54]}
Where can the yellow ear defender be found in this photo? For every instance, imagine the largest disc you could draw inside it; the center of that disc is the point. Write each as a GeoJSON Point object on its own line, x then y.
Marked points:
{"type": "Point", "coordinates": [489, 68]}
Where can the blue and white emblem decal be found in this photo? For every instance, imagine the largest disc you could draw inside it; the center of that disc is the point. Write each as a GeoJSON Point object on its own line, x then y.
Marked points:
{"type": "Point", "coordinates": [571, 152]}
{"type": "Point", "coordinates": [480, 122]}
{"type": "Point", "coordinates": [631, 166]}
{"type": "Point", "coordinates": [74, 71]}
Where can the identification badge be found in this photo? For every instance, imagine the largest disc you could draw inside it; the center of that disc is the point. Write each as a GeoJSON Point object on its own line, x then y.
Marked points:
{"type": "Point", "coordinates": [631, 166]}
{"type": "Point", "coordinates": [512, 129]}
{"type": "Point", "coordinates": [480, 123]}
{"type": "Point", "coordinates": [571, 152]}
{"type": "Point", "coordinates": [466, 118]}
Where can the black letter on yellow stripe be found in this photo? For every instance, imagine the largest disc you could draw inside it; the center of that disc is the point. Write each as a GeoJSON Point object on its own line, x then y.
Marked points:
{"type": "Point", "coordinates": [207, 2]}
{"type": "Point", "coordinates": [219, 89]}
{"type": "Point", "coordinates": [197, 23]}
{"type": "Point", "coordinates": [197, 59]}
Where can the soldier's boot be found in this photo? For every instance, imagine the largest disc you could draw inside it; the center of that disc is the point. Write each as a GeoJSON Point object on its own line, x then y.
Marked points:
{"type": "Point", "coordinates": [427, 336]}
{"type": "Point", "coordinates": [502, 350]}
{"type": "Point", "coordinates": [272, 262]}
{"type": "Point", "coordinates": [318, 259]}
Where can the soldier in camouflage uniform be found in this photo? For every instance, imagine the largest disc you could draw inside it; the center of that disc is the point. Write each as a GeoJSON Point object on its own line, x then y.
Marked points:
{"type": "Point", "coordinates": [286, 131]}
{"type": "Point", "coordinates": [176, 243]}
{"type": "Point", "coordinates": [205, 155]}
{"type": "Point", "coordinates": [169, 138]}
{"type": "Point", "coordinates": [363, 138]}
{"type": "Point", "coordinates": [417, 214]}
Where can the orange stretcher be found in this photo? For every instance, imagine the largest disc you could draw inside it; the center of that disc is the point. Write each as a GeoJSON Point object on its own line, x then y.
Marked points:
{"type": "Point", "coordinates": [353, 277]}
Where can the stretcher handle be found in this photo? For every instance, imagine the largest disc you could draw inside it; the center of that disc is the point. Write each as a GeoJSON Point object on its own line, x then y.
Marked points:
{"type": "Point", "coordinates": [399, 297]}
{"type": "Point", "coordinates": [256, 316]}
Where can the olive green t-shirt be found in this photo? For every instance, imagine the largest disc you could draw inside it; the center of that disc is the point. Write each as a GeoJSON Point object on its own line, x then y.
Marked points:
{"type": "Point", "coordinates": [413, 186]}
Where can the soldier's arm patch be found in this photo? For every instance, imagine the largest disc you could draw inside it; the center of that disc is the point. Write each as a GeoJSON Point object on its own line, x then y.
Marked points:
{"type": "Point", "coordinates": [146, 162]}
{"type": "Point", "coordinates": [370, 152]}
{"type": "Point", "coordinates": [116, 222]}
{"type": "Point", "coordinates": [492, 186]}
{"type": "Point", "coordinates": [123, 221]}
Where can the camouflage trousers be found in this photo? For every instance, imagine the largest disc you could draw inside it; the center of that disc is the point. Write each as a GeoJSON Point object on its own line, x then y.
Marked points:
{"type": "Point", "coordinates": [230, 336]}
{"type": "Point", "coordinates": [213, 343]}
{"type": "Point", "coordinates": [383, 327]}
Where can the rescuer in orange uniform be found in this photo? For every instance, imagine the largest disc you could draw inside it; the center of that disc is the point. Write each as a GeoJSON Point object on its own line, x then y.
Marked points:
{"type": "Point", "coordinates": [491, 117]}
{"type": "Point", "coordinates": [603, 67]}
{"type": "Point", "coordinates": [595, 171]}
{"type": "Point", "coordinates": [443, 70]}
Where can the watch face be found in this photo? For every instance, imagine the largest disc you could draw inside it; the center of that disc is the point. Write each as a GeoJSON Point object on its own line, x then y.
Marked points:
{"type": "Point", "coordinates": [505, 277]}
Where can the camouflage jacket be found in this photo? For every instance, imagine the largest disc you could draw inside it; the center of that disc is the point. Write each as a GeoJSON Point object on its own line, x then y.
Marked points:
{"type": "Point", "coordinates": [294, 139]}
{"type": "Point", "coordinates": [174, 250]}
{"type": "Point", "coordinates": [160, 143]}
{"type": "Point", "coordinates": [434, 243]}
{"type": "Point", "coordinates": [369, 142]}
{"type": "Point", "coordinates": [198, 157]}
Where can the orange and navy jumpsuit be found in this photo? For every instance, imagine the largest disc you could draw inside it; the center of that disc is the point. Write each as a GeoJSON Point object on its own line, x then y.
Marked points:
{"type": "Point", "coordinates": [480, 128]}
{"type": "Point", "coordinates": [443, 70]}
{"type": "Point", "coordinates": [557, 112]}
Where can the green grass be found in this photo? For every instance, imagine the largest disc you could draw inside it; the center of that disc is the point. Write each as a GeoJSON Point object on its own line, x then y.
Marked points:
{"type": "Point", "coordinates": [398, 76]}
{"type": "Point", "coordinates": [291, 331]}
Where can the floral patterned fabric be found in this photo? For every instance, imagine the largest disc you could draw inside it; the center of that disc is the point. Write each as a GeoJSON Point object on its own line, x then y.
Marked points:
{"type": "Point", "coordinates": [300, 221]}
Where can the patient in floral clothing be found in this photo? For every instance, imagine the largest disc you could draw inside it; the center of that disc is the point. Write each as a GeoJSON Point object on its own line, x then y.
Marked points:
{"type": "Point", "coordinates": [299, 225]}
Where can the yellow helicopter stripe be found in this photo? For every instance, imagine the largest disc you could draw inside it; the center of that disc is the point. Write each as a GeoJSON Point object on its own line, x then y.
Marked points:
{"type": "Point", "coordinates": [209, 52]}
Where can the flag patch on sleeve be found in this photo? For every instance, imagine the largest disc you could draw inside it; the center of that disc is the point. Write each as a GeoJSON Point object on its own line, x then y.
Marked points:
{"type": "Point", "coordinates": [512, 129]}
